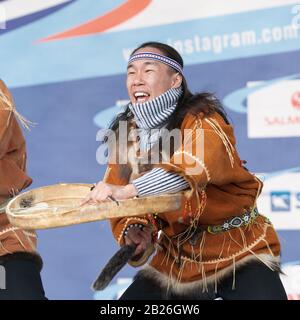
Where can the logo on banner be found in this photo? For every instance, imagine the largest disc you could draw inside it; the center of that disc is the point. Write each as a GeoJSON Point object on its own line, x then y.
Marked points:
{"type": "Point", "coordinates": [296, 100]}
{"type": "Point", "coordinates": [274, 111]}
{"type": "Point", "coordinates": [280, 201]}
{"type": "Point", "coordinates": [121, 14]}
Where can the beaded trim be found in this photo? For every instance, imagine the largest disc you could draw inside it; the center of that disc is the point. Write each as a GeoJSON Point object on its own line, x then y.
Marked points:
{"type": "Point", "coordinates": [236, 254]}
{"type": "Point", "coordinates": [127, 222]}
{"type": "Point", "coordinates": [235, 222]}
{"type": "Point", "coordinates": [132, 226]}
{"type": "Point", "coordinates": [158, 57]}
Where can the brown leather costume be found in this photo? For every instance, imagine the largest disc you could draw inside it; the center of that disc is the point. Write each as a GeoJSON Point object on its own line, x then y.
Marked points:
{"type": "Point", "coordinates": [193, 249]}
{"type": "Point", "coordinates": [13, 179]}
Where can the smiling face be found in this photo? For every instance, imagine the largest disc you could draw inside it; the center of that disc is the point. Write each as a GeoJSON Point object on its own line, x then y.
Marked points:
{"type": "Point", "coordinates": [147, 79]}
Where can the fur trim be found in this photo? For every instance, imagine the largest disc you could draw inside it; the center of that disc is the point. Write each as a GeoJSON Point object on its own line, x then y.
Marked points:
{"type": "Point", "coordinates": [6, 103]}
{"type": "Point", "coordinates": [171, 286]}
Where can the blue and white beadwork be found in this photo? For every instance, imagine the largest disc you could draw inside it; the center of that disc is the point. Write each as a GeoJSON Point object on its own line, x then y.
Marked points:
{"type": "Point", "coordinates": [158, 57]}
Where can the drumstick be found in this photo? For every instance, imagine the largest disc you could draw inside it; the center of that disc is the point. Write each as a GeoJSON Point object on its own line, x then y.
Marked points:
{"type": "Point", "coordinates": [113, 199]}
{"type": "Point", "coordinates": [109, 197]}
{"type": "Point", "coordinates": [114, 265]}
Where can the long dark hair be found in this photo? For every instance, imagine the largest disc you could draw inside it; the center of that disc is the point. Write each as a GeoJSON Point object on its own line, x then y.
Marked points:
{"type": "Point", "coordinates": [188, 103]}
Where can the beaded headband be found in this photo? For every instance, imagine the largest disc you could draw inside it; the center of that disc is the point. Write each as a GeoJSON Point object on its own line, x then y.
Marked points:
{"type": "Point", "coordinates": [157, 57]}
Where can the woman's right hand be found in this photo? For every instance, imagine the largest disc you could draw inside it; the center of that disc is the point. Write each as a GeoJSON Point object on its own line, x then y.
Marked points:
{"type": "Point", "coordinates": [142, 238]}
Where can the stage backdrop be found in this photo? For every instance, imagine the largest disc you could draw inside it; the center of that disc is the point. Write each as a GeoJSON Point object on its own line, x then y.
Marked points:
{"type": "Point", "coordinates": [65, 63]}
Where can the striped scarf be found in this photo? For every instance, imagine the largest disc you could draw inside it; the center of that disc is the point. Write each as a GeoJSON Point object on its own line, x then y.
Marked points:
{"type": "Point", "coordinates": [153, 115]}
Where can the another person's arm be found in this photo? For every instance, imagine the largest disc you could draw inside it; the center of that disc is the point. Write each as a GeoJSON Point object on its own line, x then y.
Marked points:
{"type": "Point", "coordinates": [12, 151]}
